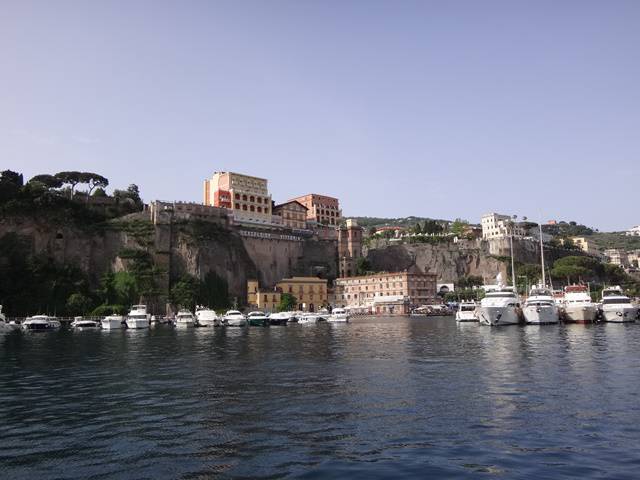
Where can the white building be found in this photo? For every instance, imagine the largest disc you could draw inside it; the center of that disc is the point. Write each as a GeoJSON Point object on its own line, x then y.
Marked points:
{"type": "Point", "coordinates": [496, 226]}
{"type": "Point", "coordinates": [617, 257]}
{"type": "Point", "coordinates": [633, 232]}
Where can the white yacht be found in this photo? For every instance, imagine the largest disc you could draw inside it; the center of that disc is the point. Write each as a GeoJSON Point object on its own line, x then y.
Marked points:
{"type": "Point", "coordinates": [308, 317]}
{"type": "Point", "coordinates": [40, 323]}
{"type": "Point", "coordinates": [500, 306]}
{"type": "Point", "coordinates": [84, 324]}
{"type": "Point", "coordinates": [338, 315]}
{"type": "Point", "coordinates": [540, 307]}
{"type": "Point", "coordinates": [207, 317]}
{"type": "Point", "coordinates": [7, 326]}
{"type": "Point", "coordinates": [138, 317]}
{"type": "Point", "coordinates": [281, 318]}
{"type": "Point", "coordinates": [257, 319]}
{"type": "Point", "coordinates": [185, 319]}
{"type": "Point", "coordinates": [467, 312]}
{"type": "Point", "coordinates": [234, 318]}
{"type": "Point", "coordinates": [577, 305]}
{"type": "Point", "coordinates": [113, 322]}
{"type": "Point", "coordinates": [617, 307]}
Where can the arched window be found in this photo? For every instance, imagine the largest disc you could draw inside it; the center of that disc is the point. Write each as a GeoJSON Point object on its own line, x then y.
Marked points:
{"type": "Point", "coordinates": [244, 207]}
{"type": "Point", "coordinates": [252, 208]}
{"type": "Point", "coordinates": [244, 197]}
{"type": "Point", "coordinates": [259, 209]}
{"type": "Point", "coordinates": [259, 199]}
{"type": "Point", "coordinates": [252, 198]}
{"type": "Point", "coordinates": [237, 206]}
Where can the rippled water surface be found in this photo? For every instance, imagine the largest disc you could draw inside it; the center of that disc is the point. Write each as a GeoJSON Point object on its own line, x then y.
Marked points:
{"type": "Point", "coordinates": [374, 398]}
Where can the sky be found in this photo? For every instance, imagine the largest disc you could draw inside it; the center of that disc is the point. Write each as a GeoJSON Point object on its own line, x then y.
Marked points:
{"type": "Point", "coordinates": [441, 109]}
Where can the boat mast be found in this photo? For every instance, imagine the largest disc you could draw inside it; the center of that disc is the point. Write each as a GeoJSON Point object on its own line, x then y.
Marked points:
{"type": "Point", "coordinates": [544, 278]}
{"type": "Point", "coordinates": [513, 265]}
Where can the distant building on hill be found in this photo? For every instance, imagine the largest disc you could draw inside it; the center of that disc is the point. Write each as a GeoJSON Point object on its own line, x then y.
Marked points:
{"type": "Point", "coordinates": [496, 226]}
{"type": "Point", "coordinates": [633, 232]}
{"type": "Point", "coordinates": [616, 257]}
{"type": "Point", "coordinates": [322, 209]}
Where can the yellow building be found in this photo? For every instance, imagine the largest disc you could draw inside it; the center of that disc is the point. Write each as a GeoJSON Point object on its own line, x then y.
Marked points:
{"type": "Point", "coordinates": [246, 197]}
{"type": "Point", "coordinates": [310, 293]}
{"type": "Point", "coordinates": [585, 245]}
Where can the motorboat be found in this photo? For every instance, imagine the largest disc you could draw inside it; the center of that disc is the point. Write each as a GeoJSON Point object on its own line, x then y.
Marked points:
{"type": "Point", "coordinates": [280, 318]}
{"type": "Point", "coordinates": [257, 319]}
{"type": "Point", "coordinates": [323, 314]}
{"type": "Point", "coordinates": [185, 319]}
{"type": "Point", "coordinates": [113, 322]}
{"type": "Point", "coordinates": [138, 317]}
{"type": "Point", "coordinates": [338, 315]}
{"type": "Point", "coordinates": [85, 324]}
{"type": "Point", "coordinates": [41, 323]}
{"type": "Point", "coordinates": [207, 317]}
{"type": "Point", "coordinates": [234, 318]}
{"type": "Point", "coordinates": [308, 317]}
{"type": "Point", "coordinates": [616, 306]}
{"type": "Point", "coordinates": [6, 326]}
{"type": "Point", "coordinates": [500, 306]}
{"type": "Point", "coordinates": [540, 306]}
{"type": "Point", "coordinates": [467, 312]}
{"type": "Point", "coordinates": [577, 305]}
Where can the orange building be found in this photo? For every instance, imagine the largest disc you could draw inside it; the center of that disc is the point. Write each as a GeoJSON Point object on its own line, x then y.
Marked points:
{"type": "Point", "coordinates": [322, 209]}
{"type": "Point", "coordinates": [247, 197]}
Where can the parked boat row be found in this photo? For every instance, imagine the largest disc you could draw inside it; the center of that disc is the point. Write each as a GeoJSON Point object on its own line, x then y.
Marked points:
{"type": "Point", "coordinates": [502, 306]}
{"type": "Point", "coordinates": [138, 319]}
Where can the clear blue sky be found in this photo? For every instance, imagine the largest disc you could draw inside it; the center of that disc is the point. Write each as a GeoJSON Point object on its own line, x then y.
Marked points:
{"type": "Point", "coordinates": [433, 108]}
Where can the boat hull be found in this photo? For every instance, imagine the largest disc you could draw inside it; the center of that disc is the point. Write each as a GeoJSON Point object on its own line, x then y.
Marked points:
{"type": "Point", "coordinates": [498, 316]}
{"type": "Point", "coordinates": [258, 322]}
{"type": "Point", "coordinates": [278, 321]}
{"type": "Point", "coordinates": [537, 315]}
{"type": "Point", "coordinates": [210, 322]}
{"type": "Point", "coordinates": [236, 322]}
{"type": "Point", "coordinates": [186, 324]}
{"type": "Point", "coordinates": [620, 314]}
{"type": "Point", "coordinates": [466, 317]}
{"type": "Point", "coordinates": [137, 323]}
{"type": "Point", "coordinates": [112, 324]}
{"type": "Point", "coordinates": [580, 314]}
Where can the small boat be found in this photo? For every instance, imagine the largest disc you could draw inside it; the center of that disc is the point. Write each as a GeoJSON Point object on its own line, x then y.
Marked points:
{"type": "Point", "coordinates": [308, 317]}
{"type": "Point", "coordinates": [6, 326]}
{"type": "Point", "coordinates": [83, 324]}
{"type": "Point", "coordinates": [40, 323]}
{"type": "Point", "coordinates": [234, 318]}
{"type": "Point", "coordinates": [540, 307]}
{"type": "Point", "coordinates": [339, 315]}
{"type": "Point", "coordinates": [323, 314]}
{"type": "Point", "coordinates": [138, 317]}
{"type": "Point", "coordinates": [467, 312]}
{"type": "Point", "coordinates": [207, 317]}
{"type": "Point", "coordinates": [185, 319]}
{"type": "Point", "coordinates": [617, 307]}
{"type": "Point", "coordinates": [113, 322]}
{"type": "Point", "coordinates": [257, 319]}
{"type": "Point", "coordinates": [577, 305]}
{"type": "Point", "coordinates": [280, 318]}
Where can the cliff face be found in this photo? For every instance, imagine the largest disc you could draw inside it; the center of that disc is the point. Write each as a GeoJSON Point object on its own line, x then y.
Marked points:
{"type": "Point", "coordinates": [194, 248]}
{"type": "Point", "coordinates": [450, 261]}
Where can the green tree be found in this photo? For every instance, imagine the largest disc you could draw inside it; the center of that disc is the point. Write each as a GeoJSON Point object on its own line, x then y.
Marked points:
{"type": "Point", "coordinates": [184, 292]}
{"type": "Point", "coordinates": [459, 226]}
{"type": "Point", "coordinates": [362, 266]}
{"type": "Point", "coordinates": [213, 291]}
{"type": "Point", "coordinates": [46, 181]}
{"type": "Point", "coordinates": [70, 178]}
{"type": "Point", "coordinates": [78, 304]}
{"type": "Point", "coordinates": [287, 302]}
{"type": "Point", "coordinates": [94, 180]}
{"type": "Point", "coordinates": [10, 185]}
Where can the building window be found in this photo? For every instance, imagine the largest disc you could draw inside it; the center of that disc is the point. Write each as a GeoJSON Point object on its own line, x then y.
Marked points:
{"type": "Point", "coordinates": [244, 207]}
{"type": "Point", "coordinates": [252, 198]}
{"type": "Point", "coordinates": [237, 206]}
{"type": "Point", "coordinates": [244, 197]}
{"type": "Point", "coordinates": [259, 209]}
{"type": "Point", "coordinates": [253, 209]}
{"type": "Point", "coordinates": [237, 196]}
{"type": "Point", "coordinates": [259, 199]}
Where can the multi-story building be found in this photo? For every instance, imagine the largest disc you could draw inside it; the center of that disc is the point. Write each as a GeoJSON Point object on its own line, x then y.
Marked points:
{"type": "Point", "coordinates": [496, 226]}
{"type": "Point", "coordinates": [633, 232]}
{"type": "Point", "coordinates": [349, 247]}
{"type": "Point", "coordinates": [321, 208]}
{"type": "Point", "coordinates": [292, 213]}
{"type": "Point", "coordinates": [586, 245]}
{"type": "Point", "coordinates": [310, 293]}
{"type": "Point", "coordinates": [246, 197]}
{"type": "Point", "coordinates": [413, 284]}
{"type": "Point", "coordinates": [616, 257]}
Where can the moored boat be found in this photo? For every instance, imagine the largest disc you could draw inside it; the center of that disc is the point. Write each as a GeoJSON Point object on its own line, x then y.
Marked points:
{"type": "Point", "coordinates": [234, 318]}
{"type": "Point", "coordinates": [467, 312]}
{"type": "Point", "coordinates": [577, 306]}
{"type": "Point", "coordinates": [280, 318]}
{"type": "Point", "coordinates": [85, 324]}
{"type": "Point", "coordinates": [257, 319]}
{"type": "Point", "coordinates": [185, 319]}
{"type": "Point", "coordinates": [500, 306]}
{"type": "Point", "coordinates": [113, 322]}
{"type": "Point", "coordinates": [41, 323]}
{"type": "Point", "coordinates": [540, 307]}
{"type": "Point", "coordinates": [207, 317]}
{"type": "Point", "coordinates": [308, 317]}
{"type": "Point", "coordinates": [138, 318]}
{"type": "Point", "coordinates": [339, 315]}
{"type": "Point", "coordinates": [617, 307]}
